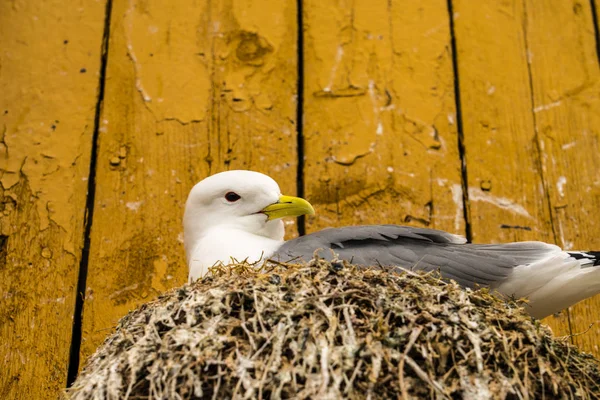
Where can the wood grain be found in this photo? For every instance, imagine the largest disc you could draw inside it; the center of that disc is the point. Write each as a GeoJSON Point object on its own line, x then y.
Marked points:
{"type": "Point", "coordinates": [511, 66]}
{"type": "Point", "coordinates": [507, 197]}
{"type": "Point", "coordinates": [380, 121]}
{"type": "Point", "coordinates": [49, 70]}
{"type": "Point", "coordinates": [507, 200]}
{"type": "Point", "coordinates": [566, 103]}
{"type": "Point", "coordinates": [192, 89]}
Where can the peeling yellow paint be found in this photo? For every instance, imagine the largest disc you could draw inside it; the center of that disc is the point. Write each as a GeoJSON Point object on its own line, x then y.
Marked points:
{"type": "Point", "coordinates": [499, 127]}
{"type": "Point", "coordinates": [49, 64]}
{"type": "Point", "coordinates": [566, 86]}
{"type": "Point", "coordinates": [225, 75]}
{"type": "Point", "coordinates": [156, 40]}
{"type": "Point", "coordinates": [193, 88]}
{"type": "Point", "coordinates": [545, 99]}
{"type": "Point", "coordinates": [380, 145]}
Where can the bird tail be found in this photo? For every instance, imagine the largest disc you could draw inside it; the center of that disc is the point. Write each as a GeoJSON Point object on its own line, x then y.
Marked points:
{"type": "Point", "coordinates": [587, 258]}
{"type": "Point", "coordinates": [556, 282]}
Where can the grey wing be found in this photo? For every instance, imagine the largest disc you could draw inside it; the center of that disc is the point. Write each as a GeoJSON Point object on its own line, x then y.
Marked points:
{"type": "Point", "coordinates": [417, 249]}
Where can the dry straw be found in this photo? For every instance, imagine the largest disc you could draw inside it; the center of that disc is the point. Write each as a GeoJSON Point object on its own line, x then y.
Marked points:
{"type": "Point", "coordinates": [330, 331]}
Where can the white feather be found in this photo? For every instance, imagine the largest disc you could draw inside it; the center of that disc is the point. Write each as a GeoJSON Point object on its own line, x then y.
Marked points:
{"type": "Point", "coordinates": [553, 283]}
{"type": "Point", "coordinates": [219, 231]}
{"type": "Point", "coordinates": [224, 245]}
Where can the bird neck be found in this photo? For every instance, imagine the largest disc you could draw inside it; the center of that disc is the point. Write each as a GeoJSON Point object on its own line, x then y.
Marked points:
{"type": "Point", "coordinates": [195, 230]}
{"type": "Point", "coordinates": [224, 244]}
{"type": "Point", "coordinates": [272, 230]}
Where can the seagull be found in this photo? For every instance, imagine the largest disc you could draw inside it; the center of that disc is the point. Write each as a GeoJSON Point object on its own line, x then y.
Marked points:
{"type": "Point", "coordinates": [237, 215]}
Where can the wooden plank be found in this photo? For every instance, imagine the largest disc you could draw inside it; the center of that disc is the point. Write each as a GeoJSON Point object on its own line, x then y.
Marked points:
{"type": "Point", "coordinates": [566, 104]}
{"type": "Point", "coordinates": [380, 121]}
{"type": "Point", "coordinates": [506, 192]}
{"type": "Point", "coordinates": [506, 161]}
{"type": "Point", "coordinates": [192, 89]}
{"type": "Point", "coordinates": [49, 69]}
{"type": "Point", "coordinates": [507, 202]}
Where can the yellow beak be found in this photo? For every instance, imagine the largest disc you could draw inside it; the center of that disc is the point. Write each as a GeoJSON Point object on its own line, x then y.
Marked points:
{"type": "Point", "coordinates": [287, 206]}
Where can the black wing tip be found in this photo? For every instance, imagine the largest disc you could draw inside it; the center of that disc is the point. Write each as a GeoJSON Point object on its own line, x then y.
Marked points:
{"type": "Point", "coordinates": [593, 256]}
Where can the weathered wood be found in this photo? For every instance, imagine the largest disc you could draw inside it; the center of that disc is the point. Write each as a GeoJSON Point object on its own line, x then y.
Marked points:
{"type": "Point", "coordinates": [192, 89]}
{"type": "Point", "coordinates": [380, 120]}
{"type": "Point", "coordinates": [514, 136]}
{"type": "Point", "coordinates": [566, 105]}
{"type": "Point", "coordinates": [49, 68]}
{"type": "Point", "coordinates": [507, 200]}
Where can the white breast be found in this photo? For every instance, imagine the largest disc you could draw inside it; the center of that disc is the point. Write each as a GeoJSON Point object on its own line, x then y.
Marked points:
{"type": "Point", "coordinates": [225, 246]}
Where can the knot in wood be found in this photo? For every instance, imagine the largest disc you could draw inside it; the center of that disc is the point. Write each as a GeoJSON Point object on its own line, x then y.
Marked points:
{"type": "Point", "coordinates": [252, 47]}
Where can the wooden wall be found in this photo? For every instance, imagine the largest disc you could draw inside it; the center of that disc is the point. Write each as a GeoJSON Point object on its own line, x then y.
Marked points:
{"type": "Point", "coordinates": [480, 118]}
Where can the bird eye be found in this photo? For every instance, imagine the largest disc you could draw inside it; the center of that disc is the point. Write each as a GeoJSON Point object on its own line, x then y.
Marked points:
{"type": "Point", "coordinates": [232, 196]}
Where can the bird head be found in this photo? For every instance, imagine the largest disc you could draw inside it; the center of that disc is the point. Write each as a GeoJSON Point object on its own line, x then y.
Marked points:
{"type": "Point", "coordinates": [242, 200]}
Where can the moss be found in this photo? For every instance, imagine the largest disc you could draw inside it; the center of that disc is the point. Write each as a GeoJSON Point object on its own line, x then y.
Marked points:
{"type": "Point", "coordinates": [333, 331]}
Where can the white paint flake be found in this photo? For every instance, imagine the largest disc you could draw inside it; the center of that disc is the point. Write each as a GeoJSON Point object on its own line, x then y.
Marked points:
{"type": "Point", "coordinates": [134, 205]}
{"type": "Point", "coordinates": [376, 109]}
{"type": "Point", "coordinates": [457, 198]}
{"type": "Point", "coordinates": [476, 194]}
{"type": "Point", "coordinates": [131, 53]}
{"type": "Point", "coordinates": [529, 56]}
{"type": "Point", "coordinates": [548, 106]}
{"type": "Point", "coordinates": [567, 146]}
{"type": "Point", "coordinates": [338, 59]}
{"type": "Point", "coordinates": [565, 244]}
{"type": "Point", "coordinates": [560, 185]}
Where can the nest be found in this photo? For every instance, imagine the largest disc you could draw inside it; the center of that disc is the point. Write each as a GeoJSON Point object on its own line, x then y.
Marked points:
{"type": "Point", "coordinates": [328, 331]}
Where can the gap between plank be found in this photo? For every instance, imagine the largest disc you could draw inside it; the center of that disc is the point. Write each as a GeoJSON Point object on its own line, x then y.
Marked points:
{"type": "Point", "coordinates": [301, 222]}
{"type": "Point", "coordinates": [459, 127]}
{"type": "Point", "coordinates": [89, 210]}
{"type": "Point", "coordinates": [596, 29]}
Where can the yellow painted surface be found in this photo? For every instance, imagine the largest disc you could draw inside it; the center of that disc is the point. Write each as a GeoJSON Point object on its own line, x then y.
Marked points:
{"type": "Point", "coordinates": [507, 197]}
{"type": "Point", "coordinates": [49, 64]}
{"type": "Point", "coordinates": [192, 89]}
{"type": "Point", "coordinates": [566, 104]}
{"type": "Point", "coordinates": [515, 71]}
{"type": "Point", "coordinates": [380, 120]}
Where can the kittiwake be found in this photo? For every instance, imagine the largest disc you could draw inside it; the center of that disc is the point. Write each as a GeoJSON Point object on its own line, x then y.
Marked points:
{"type": "Point", "coordinates": [236, 215]}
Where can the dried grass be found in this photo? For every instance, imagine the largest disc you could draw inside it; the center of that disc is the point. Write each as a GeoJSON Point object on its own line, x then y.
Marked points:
{"type": "Point", "coordinates": [329, 331]}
